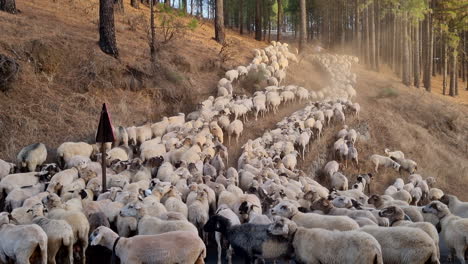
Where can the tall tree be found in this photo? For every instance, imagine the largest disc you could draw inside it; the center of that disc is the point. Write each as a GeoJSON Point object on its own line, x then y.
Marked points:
{"type": "Point", "coordinates": [406, 56]}
{"type": "Point", "coordinates": [303, 32]}
{"type": "Point", "coordinates": [372, 36]}
{"type": "Point", "coordinates": [258, 20]}
{"type": "Point", "coordinates": [107, 41]}
{"type": "Point", "coordinates": [357, 27]}
{"type": "Point", "coordinates": [241, 17]}
{"type": "Point", "coordinates": [428, 34]}
{"type": "Point", "coordinates": [280, 21]}
{"type": "Point", "coordinates": [416, 55]}
{"type": "Point", "coordinates": [153, 34]}
{"type": "Point", "coordinates": [8, 6]}
{"type": "Point", "coordinates": [219, 22]}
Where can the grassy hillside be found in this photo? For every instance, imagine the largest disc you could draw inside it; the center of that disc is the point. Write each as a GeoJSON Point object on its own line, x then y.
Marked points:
{"type": "Point", "coordinates": [64, 77]}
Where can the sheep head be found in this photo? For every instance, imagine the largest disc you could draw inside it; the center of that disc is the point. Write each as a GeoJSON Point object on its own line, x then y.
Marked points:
{"type": "Point", "coordinates": [285, 209]}
{"type": "Point", "coordinates": [282, 227]}
{"type": "Point", "coordinates": [103, 236]}
{"type": "Point", "coordinates": [393, 213]}
{"type": "Point", "coordinates": [323, 205]}
{"type": "Point", "coordinates": [436, 208]}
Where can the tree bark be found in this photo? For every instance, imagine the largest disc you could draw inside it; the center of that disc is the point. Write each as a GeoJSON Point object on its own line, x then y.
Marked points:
{"type": "Point", "coordinates": [453, 71]}
{"type": "Point", "coordinates": [219, 22]}
{"type": "Point", "coordinates": [107, 41]}
{"type": "Point", "coordinates": [241, 17]}
{"type": "Point", "coordinates": [445, 66]}
{"type": "Point", "coordinates": [357, 27]}
{"type": "Point", "coordinates": [406, 55]}
{"type": "Point", "coordinates": [428, 59]}
{"type": "Point", "coordinates": [153, 34]}
{"type": "Point", "coordinates": [303, 32]}
{"type": "Point", "coordinates": [8, 6]}
{"type": "Point", "coordinates": [416, 55]}
{"type": "Point", "coordinates": [258, 20]}
{"type": "Point", "coordinates": [366, 37]}
{"type": "Point", "coordinates": [377, 35]}
{"type": "Point", "coordinates": [372, 37]}
{"type": "Point", "coordinates": [279, 22]}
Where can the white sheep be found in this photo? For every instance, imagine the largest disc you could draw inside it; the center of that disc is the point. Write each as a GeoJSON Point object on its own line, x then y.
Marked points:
{"type": "Point", "coordinates": [456, 206]}
{"type": "Point", "coordinates": [232, 75]}
{"type": "Point", "coordinates": [59, 233]}
{"type": "Point", "coordinates": [395, 154]}
{"type": "Point", "coordinates": [166, 248]}
{"type": "Point", "coordinates": [404, 244]}
{"type": "Point", "coordinates": [6, 168]}
{"type": "Point", "coordinates": [31, 156]}
{"type": "Point", "coordinates": [121, 137]}
{"type": "Point", "coordinates": [311, 220]}
{"type": "Point", "coordinates": [454, 229]}
{"type": "Point", "coordinates": [379, 160]}
{"type": "Point", "coordinates": [330, 246]}
{"type": "Point", "coordinates": [69, 149]}
{"type": "Point", "coordinates": [235, 128]}
{"type": "Point", "coordinates": [20, 242]}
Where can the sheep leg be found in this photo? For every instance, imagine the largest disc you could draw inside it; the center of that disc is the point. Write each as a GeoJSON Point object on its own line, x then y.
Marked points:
{"type": "Point", "coordinates": [70, 253]}
{"type": "Point", "coordinates": [52, 250]}
{"type": "Point", "coordinates": [218, 242]}
{"type": "Point", "coordinates": [460, 252]}
{"type": "Point", "coordinates": [84, 246]}
{"type": "Point", "coordinates": [229, 255]}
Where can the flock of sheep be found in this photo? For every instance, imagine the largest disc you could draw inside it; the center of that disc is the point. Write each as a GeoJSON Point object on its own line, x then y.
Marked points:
{"type": "Point", "coordinates": [171, 193]}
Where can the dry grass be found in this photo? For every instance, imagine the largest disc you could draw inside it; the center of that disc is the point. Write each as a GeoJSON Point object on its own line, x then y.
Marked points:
{"type": "Point", "coordinates": [64, 77]}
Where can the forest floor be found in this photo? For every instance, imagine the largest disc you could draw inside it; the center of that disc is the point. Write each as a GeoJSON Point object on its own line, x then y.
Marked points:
{"type": "Point", "coordinates": [65, 77]}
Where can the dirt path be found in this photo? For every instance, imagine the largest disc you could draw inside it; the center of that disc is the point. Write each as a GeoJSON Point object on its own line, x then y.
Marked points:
{"type": "Point", "coordinates": [304, 74]}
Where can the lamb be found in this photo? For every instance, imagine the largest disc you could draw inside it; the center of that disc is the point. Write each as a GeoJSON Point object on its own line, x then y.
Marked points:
{"type": "Point", "coordinates": [397, 217]}
{"type": "Point", "coordinates": [456, 206]}
{"type": "Point", "coordinates": [341, 246]}
{"type": "Point", "coordinates": [121, 136]}
{"type": "Point", "coordinates": [31, 156]}
{"type": "Point", "coordinates": [404, 244]}
{"type": "Point", "coordinates": [20, 242]}
{"type": "Point", "coordinates": [236, 128]}
{"type": "Point", "coordinates": [406, 164]}
{"type": "Point", "coordinates": [59, 233]}
{"type": "Point", "coordinates": [198, 212]}
{"type": "Point", "coordinates": [395, 154]}
{"type": "Point", "coordinates": [454, 229]}
{"type": "Point", "coordinates": [143, 133]}
{"type": "Point", "coordinates": [250, 240]}
{"type": "Point", "coordinates": [311, 220]}
{"type": "Point", "coordinates": [166, 248]}
{"type": "Point", "coordinates": [379, 160]}
{"type": "Point", "coordinates": [76, 219]}
{"type": "Point", "coordinates": [339, 181]}
{"type": "Point", "coordinates": [149, 225]}
{"type": "Point", "coordinates": [70, 149]}
{"type": "Point", "coordinates": [232, 75]}
{"type": "Point", "coordinates": [331, 167]}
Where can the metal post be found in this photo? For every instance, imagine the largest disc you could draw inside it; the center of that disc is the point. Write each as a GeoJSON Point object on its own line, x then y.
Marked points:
{"type": "Point", "coordinates": [104, 167]}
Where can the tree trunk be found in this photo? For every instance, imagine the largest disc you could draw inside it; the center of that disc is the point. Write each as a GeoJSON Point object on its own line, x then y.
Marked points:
{"type": "Point", "coordinates": [372, 36]}
{"type": "Point", "coordinates": [191, 7]}
{"type": "Point", "coordinates": [279, 23]}
{"type": "Point", "coordinates": [258, 20]}
{"type": "Point", "coordinates": [184, 6]}
{"type": "Point", "coordinates": [445, 66]}
{"type": "Point", "coordinates": [416, 55]}
{"type": "Point", "coordinates": [167, 3]}
{"type": "Point", "coordinates": [378, 35]}
{"type": "Point", "coordinates": [303, 32]}
{"type": "Point", "coordinates": [406, 55]}
{"type": "Point", "coordinates": [153, 34]}
{"type": "Point", "coordinates": [135, 3]}
{"type": "Point", "coordinates": [107, 41]}
{"type": "Point", "coordinates": [394, 44]}
{"type": "Point", "coordinates": [357, 28]}
{"type": "Point", "coordinates": [453, 71]}
{"type": "Point", "coordinates": [428, 53]}
{"type": "Point", "coordinates": [219, 22]}
{"type": "Point", "coordinates": [366, 37]}
{"type": "Point", "coordinates": [241, 17]}
{"type": "Point", "coordinates": [8, 6]}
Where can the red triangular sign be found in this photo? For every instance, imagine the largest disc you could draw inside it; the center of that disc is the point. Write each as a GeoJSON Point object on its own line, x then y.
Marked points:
{"type": "Point", "coordinates": [105, 131]}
